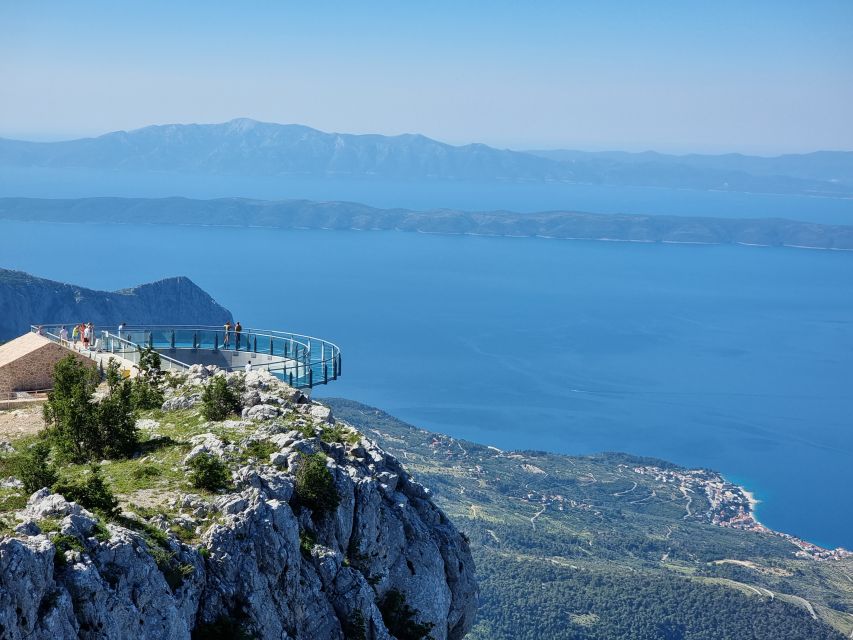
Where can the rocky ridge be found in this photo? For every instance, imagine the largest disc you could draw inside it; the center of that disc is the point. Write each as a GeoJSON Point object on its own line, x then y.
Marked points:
{"type": "Point", "coordinates": [249, 556]}
{"type": "Point", "coordinates": [26, 299]}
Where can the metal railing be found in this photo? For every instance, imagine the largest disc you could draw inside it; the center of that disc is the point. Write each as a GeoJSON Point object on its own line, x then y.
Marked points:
{"type": "Point", "coordinates": [301, 361]}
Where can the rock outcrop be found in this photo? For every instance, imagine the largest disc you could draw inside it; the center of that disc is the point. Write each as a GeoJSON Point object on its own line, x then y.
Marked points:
{"type": "Point", "coordinates": [261, 560]}
{"type": "Point", "coordinates": [26, 299]}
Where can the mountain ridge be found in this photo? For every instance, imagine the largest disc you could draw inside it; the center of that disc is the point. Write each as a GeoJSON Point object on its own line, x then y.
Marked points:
{"type": "Point", "coordinates": [28, 299]}
{"type": "Point", "coordinates": [248, 147]}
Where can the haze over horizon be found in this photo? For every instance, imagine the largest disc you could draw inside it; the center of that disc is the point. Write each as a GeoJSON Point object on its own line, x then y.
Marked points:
{"type": "Point", "coordinates": [761, 79]}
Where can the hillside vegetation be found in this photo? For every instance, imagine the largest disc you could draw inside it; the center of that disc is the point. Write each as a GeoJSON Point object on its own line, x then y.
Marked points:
{"type": "Point", "coordinates": [573, 547]}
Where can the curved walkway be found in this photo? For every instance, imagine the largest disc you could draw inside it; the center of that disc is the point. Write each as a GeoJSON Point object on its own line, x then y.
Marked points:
{"type": "Point", "coordinates": [302, 361]}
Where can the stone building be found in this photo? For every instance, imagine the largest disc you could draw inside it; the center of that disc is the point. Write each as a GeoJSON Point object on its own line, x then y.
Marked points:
{"type": "Point", "coordinates": [26, 363]}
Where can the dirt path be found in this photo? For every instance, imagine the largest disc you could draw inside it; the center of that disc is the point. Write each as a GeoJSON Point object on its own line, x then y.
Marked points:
{"type": "Point", "coordinates": [17, 423]}
{"type": "Point", "coordinates": [539, 513]}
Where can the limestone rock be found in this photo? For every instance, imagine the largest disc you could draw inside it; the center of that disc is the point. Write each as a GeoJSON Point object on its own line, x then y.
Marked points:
{"type": "Point", "coordinates": [282, 571]}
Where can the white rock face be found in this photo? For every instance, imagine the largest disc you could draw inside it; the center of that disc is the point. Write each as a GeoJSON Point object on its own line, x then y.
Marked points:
{"type": "Point", "coordinates": [278, 569]}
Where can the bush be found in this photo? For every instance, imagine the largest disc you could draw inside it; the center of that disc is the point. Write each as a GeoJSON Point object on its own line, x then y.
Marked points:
{"type": "Point", "coordinates": [207, 471]}
{"type": "Point", "coordinates": [218, 400]}
{"type": "Point", "coordinates": [315, 486]}
{"type": "Point", "coordinates": [61, 544]}
{"type": "Point", "coordinates": [400, 619]}
{"type": "Point", "coordinates": [223, 628]}
{"type": "Point", "coordinates": [33, 468]}
{"type": "Point", "coordinates": [92, 493]}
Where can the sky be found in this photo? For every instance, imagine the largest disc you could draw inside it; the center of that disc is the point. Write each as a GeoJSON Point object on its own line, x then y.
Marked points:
{"type": "Point", "coordinates": [687, 76]}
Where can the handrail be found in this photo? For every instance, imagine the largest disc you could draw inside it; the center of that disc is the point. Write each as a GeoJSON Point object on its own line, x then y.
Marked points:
{"type": "Point", "coordinates": [302, 361]}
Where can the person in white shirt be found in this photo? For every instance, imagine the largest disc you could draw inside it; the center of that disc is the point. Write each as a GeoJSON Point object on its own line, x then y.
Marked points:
{"type": "Point", "coordinates": [63, 335]}
{"type": "Point", "coordinates": [248, 366]}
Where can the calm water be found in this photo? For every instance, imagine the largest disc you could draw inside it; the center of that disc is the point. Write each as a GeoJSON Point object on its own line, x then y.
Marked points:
{"type": "Point", "coordinates": [734, 358]}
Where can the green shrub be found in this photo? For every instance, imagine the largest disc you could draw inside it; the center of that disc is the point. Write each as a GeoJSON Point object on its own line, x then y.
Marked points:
{"type": "Point", "coordinates": [223, 628]}
{"type": "Point", "coordinates": [33, 468]}
{"type": "Point", "coordinates": [91, 493]}
{"type": "Point", "coordinates": [61, 544]}
{"type": "Point", "coordinates": [355, 628]}
{"type": "Point", "coordinates": [307, 541]}
{"type": "Point", "coordinates": [315, 486]}
{"type": "Point", "coordinates": [260, 449]}
{"type": "Point", "coordinates": [207, 471]}
{"type": "Point", "coordinates": [145, 472]}
{"type": "Point", "coordinates": [338, 433]}
{"type": "Point", "coordinates": [218, 400]}
{"type": "Point", "coordinates": [400, 618]}
{"type": "Point", "coordinates": [173, 571]}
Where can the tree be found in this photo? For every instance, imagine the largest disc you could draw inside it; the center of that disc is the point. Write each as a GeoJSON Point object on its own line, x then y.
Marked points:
{"type": "Point", "coordinates": [69, 411]}
{"type": "Point", "coordinates": [148, 384]}
{"type": "Point", "coordinates": [117, 426]}
{"type": "Point", "coordinates": [82, 429]}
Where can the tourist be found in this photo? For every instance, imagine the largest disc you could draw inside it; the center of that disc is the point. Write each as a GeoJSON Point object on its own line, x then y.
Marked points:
{"type": "Point", "coordinates": [238, 329]}
{"type": "Point", "coordinates": [249, 366]}
{"type": "Point", "coordinates": [40, 330]}
{"type": "Point", "coordinates": [63, 335]}
{"type": "Point", "coordinates": [227, 338]}
{"type": "Point", "coordinates": [87, 334]}
{"type": "Point", "coordinates": [120, 330]}
{"type": "Point", "coordinates": [75, 334]}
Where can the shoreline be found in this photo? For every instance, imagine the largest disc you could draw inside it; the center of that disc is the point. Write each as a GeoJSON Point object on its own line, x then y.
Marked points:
{"type": "Point", "coordinates": [733, 506]}
{"type": "Point", "coordinates": [530, 236]}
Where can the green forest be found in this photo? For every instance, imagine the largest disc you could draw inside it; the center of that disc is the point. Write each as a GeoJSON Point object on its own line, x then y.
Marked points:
{"type": "Point", "coordinates": [583, 547]}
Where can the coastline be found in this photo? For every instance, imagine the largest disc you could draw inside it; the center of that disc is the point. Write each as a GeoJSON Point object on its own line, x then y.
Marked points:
{"type": "Point", "coordinates": [733, 506]}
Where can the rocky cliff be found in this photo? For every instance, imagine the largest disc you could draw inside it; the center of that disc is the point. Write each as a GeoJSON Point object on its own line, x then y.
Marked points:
{"type": "Point", "coordinates": [251, 559]}
{"type": "Point", "coordinates": [27, 300]}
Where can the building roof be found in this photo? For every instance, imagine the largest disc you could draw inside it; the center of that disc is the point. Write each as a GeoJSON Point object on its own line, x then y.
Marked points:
{"type": "Point", "coordinates": [19, 347]}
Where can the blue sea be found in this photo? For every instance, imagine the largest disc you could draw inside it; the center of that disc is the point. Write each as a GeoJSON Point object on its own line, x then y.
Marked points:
{"type": "Point", "coordinates": [738, 359]}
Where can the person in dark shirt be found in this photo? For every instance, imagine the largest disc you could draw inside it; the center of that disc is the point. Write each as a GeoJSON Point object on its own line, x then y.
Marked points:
{"type": "Point", "coordinates": [238, 329]}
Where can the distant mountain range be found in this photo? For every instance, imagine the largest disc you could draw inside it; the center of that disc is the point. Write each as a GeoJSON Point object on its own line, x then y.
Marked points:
{"type": "Point", "coordinates": [304, 214]}
{"type": "Point", "coordinates": [27, 299]}
{"type": "Point", "coordinates": [246, 147]}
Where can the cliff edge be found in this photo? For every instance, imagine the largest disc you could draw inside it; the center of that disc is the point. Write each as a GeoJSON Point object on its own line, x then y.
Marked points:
{"type": "Point", "coordinates": [255, 557]}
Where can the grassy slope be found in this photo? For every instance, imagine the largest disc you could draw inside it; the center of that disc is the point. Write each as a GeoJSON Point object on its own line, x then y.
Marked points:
{"type": "Point", "coordinates": [595, 535]}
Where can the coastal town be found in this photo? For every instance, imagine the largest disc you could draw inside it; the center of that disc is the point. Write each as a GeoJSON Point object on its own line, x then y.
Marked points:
{"type": "Point", "coordinates": [731, 506]}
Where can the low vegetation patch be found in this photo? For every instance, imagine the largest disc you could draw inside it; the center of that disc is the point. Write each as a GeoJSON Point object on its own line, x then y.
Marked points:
{"type": "Point", "coordinates": [401, 619]}
{"type": "Point", "coordinates": [208, 472]}
{"type": "Point", "coordinates": [218, 400]}
{"type": "Point", "coordinates": [315, 486]}
{"type": "Point", "coordinates": [91, 493]}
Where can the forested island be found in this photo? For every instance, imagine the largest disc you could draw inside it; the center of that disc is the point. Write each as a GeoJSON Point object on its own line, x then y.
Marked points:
{"type": "Point", "coordinates": [305, 214]}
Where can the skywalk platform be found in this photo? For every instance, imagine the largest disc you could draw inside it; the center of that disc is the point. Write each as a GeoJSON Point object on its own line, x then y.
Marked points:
{"type": "Point", "coordinates": [302, 361]}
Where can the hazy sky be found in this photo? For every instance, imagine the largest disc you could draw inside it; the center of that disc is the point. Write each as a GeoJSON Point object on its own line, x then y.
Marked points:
{"type": "Point", "coordinates": [757, 77]}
